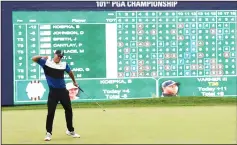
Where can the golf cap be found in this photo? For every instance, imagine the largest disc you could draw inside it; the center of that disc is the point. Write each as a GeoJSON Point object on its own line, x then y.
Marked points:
{"type": "Point", "coordinates": [59, 53]}
{"type": "Point", "coordinates": [70, 86]}
{"type": "Point", "coordinates": [169, 83]}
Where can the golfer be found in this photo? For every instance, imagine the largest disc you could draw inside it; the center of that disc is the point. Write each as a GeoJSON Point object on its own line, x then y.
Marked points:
{"type": "Point", "coordinates": [54, 72]}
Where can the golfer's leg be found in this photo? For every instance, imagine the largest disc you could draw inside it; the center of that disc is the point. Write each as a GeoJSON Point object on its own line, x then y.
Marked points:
{"type": "Point", "coordinates": [66, 103]}
{"type": "Point", "coordinates": [52, 104]}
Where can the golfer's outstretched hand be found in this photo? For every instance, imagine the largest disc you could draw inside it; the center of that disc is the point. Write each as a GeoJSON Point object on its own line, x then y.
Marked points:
{"type": "Point", "coordinates": [75, 84]}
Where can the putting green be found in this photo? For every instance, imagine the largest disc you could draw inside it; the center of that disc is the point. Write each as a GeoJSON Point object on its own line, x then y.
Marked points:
{"type": "Point", "coordinates": [214, 124]}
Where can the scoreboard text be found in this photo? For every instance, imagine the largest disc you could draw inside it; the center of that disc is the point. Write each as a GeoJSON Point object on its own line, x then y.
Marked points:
{"type": "Point", "coordinates": [141, 49]}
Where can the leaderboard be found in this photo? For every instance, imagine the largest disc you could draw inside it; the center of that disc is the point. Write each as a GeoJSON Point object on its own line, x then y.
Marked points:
{"type": "Point", "coordinates": [147, 43]}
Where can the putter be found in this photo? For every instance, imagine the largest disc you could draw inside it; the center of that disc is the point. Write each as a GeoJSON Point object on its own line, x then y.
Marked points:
{"type": "Point", "coordinates": [92, 99]}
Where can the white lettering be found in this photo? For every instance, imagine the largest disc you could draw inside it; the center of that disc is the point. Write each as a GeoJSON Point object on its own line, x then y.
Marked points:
{"type": "Point", "coordinates": [62, 39]}
{"type": "Point", "coordinates": [151, 4]}
{"type": "Point", "coordinates": [71, 51]}
{"type": "Point", "coordinates": [65, 45]}
{"type": "Point", "coordinates": [112, 82]}
{"type": "Point", "coordinates": [208, 79]}
{"type": "Point", "coordinates": [63, 26]}
{"type": "Point", "coordinates": [77, 69]}
{"type": "Point", "coordinates": [118, 4]}
{"type": "Point", "coordinates": [206, 89]}
{"type": "Point", "coordinates": [209, 94]}
{"type": "Point", "coordinates": [65, 33]}
{"type": "Point", "coordinates": [111, 20]}
{"type": "Point", "coordinates": [112, 96]}
{"type": "Point", "coordinates": [79, 20]}
{"type": "Point", "coordinates": [112, 91]}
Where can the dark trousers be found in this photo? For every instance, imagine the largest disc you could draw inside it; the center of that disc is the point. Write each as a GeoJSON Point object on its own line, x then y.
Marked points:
{"type": "Point", "coordinates": [62, 96]}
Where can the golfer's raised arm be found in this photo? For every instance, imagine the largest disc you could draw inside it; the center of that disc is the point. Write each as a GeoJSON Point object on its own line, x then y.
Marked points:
{"type": "Point", "coordinates": [36, 58]}
{"type": "Point", "coordinates": [40, 61]}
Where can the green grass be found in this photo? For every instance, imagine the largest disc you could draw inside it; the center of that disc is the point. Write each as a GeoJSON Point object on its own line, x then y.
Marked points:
{"type": "Point", "coordinates": [155, 121]}
{"type": "Point", "coordinates": [181, 124]}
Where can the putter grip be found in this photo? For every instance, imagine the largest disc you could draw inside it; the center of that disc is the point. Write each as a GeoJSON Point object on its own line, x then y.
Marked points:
{"type": "Point", "coordinates": [80, 89]}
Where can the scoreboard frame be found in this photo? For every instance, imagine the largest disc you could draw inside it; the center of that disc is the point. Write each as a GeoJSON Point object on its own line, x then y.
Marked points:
{"type": "Point", "coordinates": [7, 30]}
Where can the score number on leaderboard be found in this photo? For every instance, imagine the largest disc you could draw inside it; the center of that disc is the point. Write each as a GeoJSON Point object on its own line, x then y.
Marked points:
{"type": "Point", "coordinates": [156, 44]}
{"type": "Point", "coordinates": [148, 43]}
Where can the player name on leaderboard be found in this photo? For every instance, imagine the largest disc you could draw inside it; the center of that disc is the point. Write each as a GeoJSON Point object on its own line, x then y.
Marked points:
{"type": "Point", "coordinates": [43, 39]}
{"type": "Point", "coordinates": [149, 43]}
